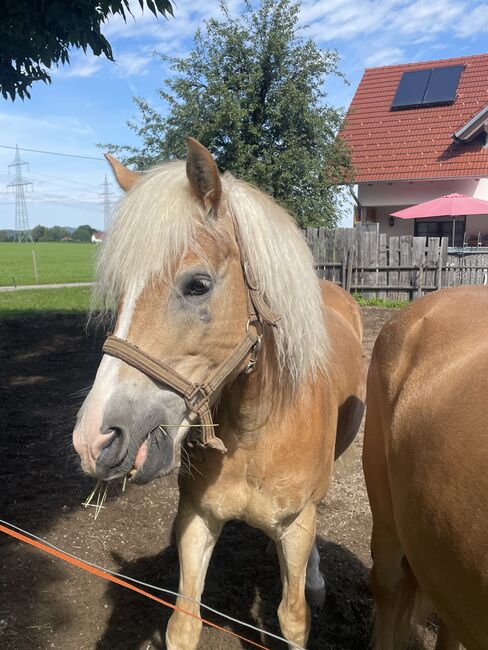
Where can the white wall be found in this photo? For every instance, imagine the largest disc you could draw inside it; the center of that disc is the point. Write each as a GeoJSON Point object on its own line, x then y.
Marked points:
{"type": "Point", "coordinates": [403, 194]}
{"type": "Point", "coordinates": [481, 191]}
{"type": "Point", "coordinates": [400, 226]}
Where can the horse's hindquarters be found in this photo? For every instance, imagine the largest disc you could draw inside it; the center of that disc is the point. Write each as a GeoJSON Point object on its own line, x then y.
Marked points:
{"type": "Point", "coordinates": [425, 465]}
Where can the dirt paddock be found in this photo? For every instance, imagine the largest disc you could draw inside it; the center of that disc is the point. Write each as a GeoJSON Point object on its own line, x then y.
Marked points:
{"type": "Point", "coordinates": [44, 603]}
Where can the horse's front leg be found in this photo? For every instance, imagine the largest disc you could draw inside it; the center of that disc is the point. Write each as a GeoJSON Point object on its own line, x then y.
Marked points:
{"type": "Point", "coordinates": [294, 547]}
{"type": "Point", "coordinates": [196, 538]}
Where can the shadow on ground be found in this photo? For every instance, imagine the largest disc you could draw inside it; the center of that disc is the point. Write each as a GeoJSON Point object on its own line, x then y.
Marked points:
{"type": "Point", "coordinates": [243, 581]}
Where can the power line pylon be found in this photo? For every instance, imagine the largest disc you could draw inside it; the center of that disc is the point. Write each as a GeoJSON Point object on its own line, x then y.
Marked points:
{"type": "Point", "coordinates": [107, 203]}
{"type": "Point", "coordinates": [22, 230]}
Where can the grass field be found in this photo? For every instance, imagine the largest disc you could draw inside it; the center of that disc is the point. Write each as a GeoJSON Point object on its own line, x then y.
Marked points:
{"type": "Point", "coordinates": [56, 262]}
{"type": "Point", "coordinates": [14, 304]}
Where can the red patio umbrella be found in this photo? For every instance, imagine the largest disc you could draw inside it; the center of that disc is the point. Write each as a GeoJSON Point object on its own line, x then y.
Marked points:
{"type": "Point", "coordinates": [451, 205]}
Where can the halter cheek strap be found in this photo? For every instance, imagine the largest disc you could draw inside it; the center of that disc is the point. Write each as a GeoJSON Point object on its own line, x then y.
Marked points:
{"type": "Point", "coordinates": [199, 396]}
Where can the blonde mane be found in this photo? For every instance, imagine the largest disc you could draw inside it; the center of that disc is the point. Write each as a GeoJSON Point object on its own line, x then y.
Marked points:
{"type": "Point", "coordinates": [159, 220]}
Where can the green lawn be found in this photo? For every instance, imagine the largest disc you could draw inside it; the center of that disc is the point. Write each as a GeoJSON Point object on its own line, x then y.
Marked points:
{"type": "Point", "coordinates": [56, 262]}
{"type": "Point", "coordinates": [35, 301]}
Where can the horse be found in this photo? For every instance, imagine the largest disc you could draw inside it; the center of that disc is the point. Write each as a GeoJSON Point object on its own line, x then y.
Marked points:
{"type": "Point", "coordinates": [221, 322]}
{"type": "Point", "coordinates": [425, 455]}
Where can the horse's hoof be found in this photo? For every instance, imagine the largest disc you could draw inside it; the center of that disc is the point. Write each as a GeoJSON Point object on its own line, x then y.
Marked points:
{"type": "Point", "coordinates": [271, 548]}
{"type": "Point", "coordinates": [315, 597]}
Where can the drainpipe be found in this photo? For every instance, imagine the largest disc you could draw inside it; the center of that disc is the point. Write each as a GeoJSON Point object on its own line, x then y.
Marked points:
{"type": "Point", "coordinates": [362, 209]}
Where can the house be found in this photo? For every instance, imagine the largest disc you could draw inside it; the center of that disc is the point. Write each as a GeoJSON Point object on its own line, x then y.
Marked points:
{"type": "Point", "coordinates": [417, 132]}
{"type": "Point", "coordinates": [97, 237]}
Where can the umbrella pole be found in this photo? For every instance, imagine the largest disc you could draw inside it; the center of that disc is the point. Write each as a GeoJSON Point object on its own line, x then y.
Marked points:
{"type": "Point", "coordinates": [453, 231]}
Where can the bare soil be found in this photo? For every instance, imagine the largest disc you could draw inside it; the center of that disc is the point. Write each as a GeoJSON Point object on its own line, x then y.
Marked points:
{"type": "Point", "coordinates": [45, 603]}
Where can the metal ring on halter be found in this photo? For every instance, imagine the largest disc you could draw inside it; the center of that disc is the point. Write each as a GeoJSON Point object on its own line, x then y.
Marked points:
{"type": "Point", "coordinates": [258, 326]}
{"type": "Point", "coordinates": [254, 353]}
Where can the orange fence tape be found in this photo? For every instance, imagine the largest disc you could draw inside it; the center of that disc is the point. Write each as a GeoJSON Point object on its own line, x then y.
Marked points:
{"type": "Point", "coordinates": [106, 576]}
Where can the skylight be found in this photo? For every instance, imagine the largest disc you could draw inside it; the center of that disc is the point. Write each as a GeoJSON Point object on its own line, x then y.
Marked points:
{"type": "Point", "coordinates": [427, 87]}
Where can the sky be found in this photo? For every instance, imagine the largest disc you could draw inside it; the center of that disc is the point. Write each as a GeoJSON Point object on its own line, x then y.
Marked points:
{"type": "Point", "coordinates": [90, 101]}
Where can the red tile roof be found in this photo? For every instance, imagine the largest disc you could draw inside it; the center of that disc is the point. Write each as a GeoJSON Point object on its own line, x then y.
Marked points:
{"type": "Point", "coordinates": [416, 143]}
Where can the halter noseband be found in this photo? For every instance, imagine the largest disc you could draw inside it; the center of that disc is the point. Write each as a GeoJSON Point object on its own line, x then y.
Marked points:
{"type": "Point", "coordinates": [198, 396]}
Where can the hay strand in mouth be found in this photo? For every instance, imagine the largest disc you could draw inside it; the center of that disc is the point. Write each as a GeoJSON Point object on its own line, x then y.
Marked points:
{"type": "Point", "coordinates": [197, 426]}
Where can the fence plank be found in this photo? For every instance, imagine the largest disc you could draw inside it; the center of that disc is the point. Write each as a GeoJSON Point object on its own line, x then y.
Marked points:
{"type": "Point", "coordinates": [418, 260]}
{"type": "Point", "coordinates": [382, 262]}
{"type": "Point", "coordinates": [405, 277]}
{"type": "Point", "coordinates": [394, 260]}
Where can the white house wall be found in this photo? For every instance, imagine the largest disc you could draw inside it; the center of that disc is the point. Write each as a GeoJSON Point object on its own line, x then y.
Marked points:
{"type": "Point", "coordinates": [404, 194]}
{"type": "Point", "coordinates": [481, 191]}
{"type": "Point", "coordinates": [400, 226]}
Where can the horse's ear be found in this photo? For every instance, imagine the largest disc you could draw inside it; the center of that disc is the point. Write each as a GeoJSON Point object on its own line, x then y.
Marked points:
{"type": "Point", "coordinates": [125, 178]}
{"type": "Point", "coordinates": [203, 175]}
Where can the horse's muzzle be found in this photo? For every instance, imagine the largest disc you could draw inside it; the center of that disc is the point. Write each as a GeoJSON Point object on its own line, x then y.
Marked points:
{"type": "Point", "coordinates": [142, 459]}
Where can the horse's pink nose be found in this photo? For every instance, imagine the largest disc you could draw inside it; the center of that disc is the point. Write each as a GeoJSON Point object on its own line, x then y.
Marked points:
{"type": "Point", "coordinates": [89, 447]}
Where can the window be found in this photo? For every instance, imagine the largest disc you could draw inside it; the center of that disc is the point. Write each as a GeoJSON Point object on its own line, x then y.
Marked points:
{"type": "Point", "coordinates": [442, 228]}
{"type": "Point", "coordinates": [427, 87]}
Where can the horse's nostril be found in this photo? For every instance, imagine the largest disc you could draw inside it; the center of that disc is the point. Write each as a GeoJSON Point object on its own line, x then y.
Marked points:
{"type": "Point", "coordinates": [113, 447]}
{"type": "Point", "coordinates": [113, 431]}
{"type": "Point", "coordinates": [112, 434]}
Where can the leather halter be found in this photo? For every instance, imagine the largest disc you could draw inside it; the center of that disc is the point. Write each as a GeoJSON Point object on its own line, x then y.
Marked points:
{"type": "Point", "coordinates": [198, 396]}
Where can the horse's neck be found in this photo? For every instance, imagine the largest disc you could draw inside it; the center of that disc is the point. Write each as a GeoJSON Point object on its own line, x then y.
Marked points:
{"type": "Point", "coordinates": [251, 402]}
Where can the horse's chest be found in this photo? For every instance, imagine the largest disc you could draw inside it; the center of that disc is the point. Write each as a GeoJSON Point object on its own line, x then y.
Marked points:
{"type": "Point", "coordinates": [250, 503]}
{"type": "Point", "coordinates": [261, 500]}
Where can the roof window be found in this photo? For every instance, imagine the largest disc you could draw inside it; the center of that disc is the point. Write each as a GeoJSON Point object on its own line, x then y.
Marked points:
{"type": "Point", "coordinates": [427, 87]}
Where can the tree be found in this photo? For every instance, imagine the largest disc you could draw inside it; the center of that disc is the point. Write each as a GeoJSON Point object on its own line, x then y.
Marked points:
{"type": "Point", "coordinates": [252, 91]}
{"type": "Point", "coordinates": [37, 232]}
{"type": "Point", "coordinates": [56, 233]}
{"type": "Point", "coordinates": [83, 233]}
{"type": "Point", "coordinates": [34, 34]}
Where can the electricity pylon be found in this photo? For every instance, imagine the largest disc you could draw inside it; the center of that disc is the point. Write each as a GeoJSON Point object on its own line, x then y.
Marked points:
{"type": "Point", "coordinates": [22, 230]}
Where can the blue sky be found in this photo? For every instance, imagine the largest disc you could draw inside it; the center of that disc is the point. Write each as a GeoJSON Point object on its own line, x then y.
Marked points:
{"type": "Point", "coordinates": [89, 101]}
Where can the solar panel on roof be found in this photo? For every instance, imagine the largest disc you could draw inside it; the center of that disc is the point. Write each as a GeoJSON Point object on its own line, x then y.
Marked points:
{"type": "Point", "coordinates": [411, 88]}
{"type": "Point", "coordinates": [443, 85]}
{"type": "Point", "coordinates": [427, 87]}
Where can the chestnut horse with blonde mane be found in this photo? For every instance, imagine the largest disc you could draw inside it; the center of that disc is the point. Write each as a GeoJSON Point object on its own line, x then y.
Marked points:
{"type": "Point", "coordinates": [222, 319]}
{"type": "Point", "coordinates": [425, 462]}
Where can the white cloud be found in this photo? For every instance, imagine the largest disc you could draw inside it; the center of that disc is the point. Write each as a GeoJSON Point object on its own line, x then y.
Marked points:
{"type": "Point", "coordinates": [81, 65]}
{"type": "Point", "coordinates": [129, 64]}
{"type": "Point", "coordinates": [428, 17]}
{"type": "Point", "coordinates": [385, 56]}
{"type": "Point", "coordinates": [473, 23]}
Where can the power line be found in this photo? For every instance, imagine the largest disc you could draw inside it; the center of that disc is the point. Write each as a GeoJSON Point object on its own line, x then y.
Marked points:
{"type": "Point", "coordinates": [72, 189]}
{"type": "Point", "coordinates": [64, 179]}
{"type": "Point", "coordinates": [55, 153]}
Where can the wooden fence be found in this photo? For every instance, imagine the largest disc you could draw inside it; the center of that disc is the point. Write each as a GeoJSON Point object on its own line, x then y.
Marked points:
{"type": "Point", "coordinates": [395, 268]}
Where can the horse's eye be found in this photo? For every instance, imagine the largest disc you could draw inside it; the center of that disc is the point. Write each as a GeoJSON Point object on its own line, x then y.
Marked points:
{"type": "Point", "coordinates": [198, 286]}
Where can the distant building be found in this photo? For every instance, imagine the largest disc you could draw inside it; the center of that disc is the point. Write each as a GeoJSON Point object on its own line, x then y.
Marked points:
{"type": "Point", "coordinates": [417, 132]}
{"type": "Point", "coordinates": [97, 237]}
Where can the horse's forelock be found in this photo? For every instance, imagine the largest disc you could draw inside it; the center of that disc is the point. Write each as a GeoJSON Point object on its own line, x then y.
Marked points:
{"type": "Point", "coordinates": [161, 220]}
